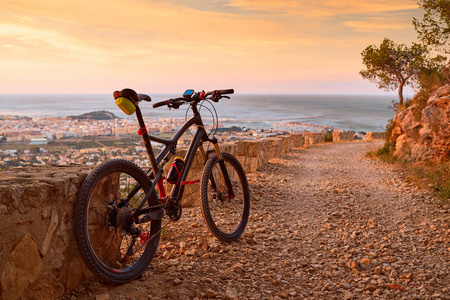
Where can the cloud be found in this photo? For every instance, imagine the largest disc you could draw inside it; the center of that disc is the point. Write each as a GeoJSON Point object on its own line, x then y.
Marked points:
{"type": "Point", "coordinates": [376, 25]}
{"type": "Point", "coordinates": [324, 8]}
{"type": "Point", "coordinates": [164, 45]}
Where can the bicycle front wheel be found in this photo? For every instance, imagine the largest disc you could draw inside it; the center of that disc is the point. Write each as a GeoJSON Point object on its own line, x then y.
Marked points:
{"type": "Point", "coordinates": [113, 247]}
{"type": "Point", "coordinates": [225, 197]}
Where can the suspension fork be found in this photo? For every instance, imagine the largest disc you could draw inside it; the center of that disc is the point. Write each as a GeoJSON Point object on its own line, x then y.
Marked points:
{"type": "Point", "coordinates": [223, 168]}
{"type": "Point", "coordinates": [202, 153]}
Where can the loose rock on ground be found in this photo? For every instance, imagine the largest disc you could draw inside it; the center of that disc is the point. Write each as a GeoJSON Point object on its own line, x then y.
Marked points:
{"type": "Point", "coordinates": [325, 223]}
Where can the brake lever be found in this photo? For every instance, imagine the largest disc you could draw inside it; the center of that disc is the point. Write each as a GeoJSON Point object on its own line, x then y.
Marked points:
{"type": "Point", "coordinates": [217, 98]}
{"type": "Point", "coordinates": [174, 104]}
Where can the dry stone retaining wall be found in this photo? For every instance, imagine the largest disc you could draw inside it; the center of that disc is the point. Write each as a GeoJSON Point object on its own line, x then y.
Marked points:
{"type": "Point", "coordinates": [312, 138]}
{"type": "Point", "coordinates": [370, 136]}
{"type": "Point", "coordinates": [38, 255]}
{"type": "Point", "coordinates": [345, 136]}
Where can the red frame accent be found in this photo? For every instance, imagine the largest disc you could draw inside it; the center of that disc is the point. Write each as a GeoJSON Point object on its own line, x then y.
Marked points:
{"type": "Point", "coordinates": [161, 189]}
{"type": "Point", "coordinates": [144, 237]}
{"type": "Point", "coordinates": [190, 182]}
{"type": "Point", "coordinates": [142, 130]}
{"type": "Point", "coordinates": [178, 172]}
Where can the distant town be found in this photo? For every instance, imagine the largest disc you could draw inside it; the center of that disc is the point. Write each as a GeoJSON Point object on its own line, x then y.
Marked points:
{"type": "Point", "coordinates": [94, 137]}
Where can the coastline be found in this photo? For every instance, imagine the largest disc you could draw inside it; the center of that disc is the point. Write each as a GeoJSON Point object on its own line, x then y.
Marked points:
{"type": "Point", "coordinates": [348, 112]}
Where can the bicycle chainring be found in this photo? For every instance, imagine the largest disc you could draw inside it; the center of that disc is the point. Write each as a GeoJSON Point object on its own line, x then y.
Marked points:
{"type": "Point", "coordinates": [174, 209]}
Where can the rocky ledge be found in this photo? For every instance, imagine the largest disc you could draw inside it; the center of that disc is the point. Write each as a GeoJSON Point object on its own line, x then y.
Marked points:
{"type": "Point", "coordinates": [420, 134]}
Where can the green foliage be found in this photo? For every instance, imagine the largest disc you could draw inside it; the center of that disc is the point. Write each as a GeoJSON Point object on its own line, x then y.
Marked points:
{"type": "Point", "coordinates": [386, 152]}
{"type": "Point", "coordinates": [389, 128]}
{"type": "Point", "coordinates": [434, 28]}
{"type": "Point", "coordinates": [391, 66]}
{"type": "Point", "coordinates": [96, 115]}
{"type": "Point", "coordinates": [228, 129]}
{"type": "Point", "coordinates": [431, 174]}
{"type": "Point", "coordinates": [328, 137]}
{"type": "Point", "coordinates": [429, 80]}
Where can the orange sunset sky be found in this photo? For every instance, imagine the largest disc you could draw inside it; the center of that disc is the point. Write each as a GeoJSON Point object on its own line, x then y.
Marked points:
{"type": "Point", "coordinates": [253, 46]}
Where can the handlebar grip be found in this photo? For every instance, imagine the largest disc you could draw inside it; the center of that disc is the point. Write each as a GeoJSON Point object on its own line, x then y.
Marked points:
{"type": "Point", "coordinates": [229, 91]}
{"type": "Point", "coordinates": [161, 103]}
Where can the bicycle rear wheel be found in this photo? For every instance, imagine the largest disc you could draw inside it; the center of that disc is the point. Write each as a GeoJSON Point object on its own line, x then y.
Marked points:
{"type": "Point", "coordinates": [113, 247]}
{"type": "Point", "coordinates": [225, 203]}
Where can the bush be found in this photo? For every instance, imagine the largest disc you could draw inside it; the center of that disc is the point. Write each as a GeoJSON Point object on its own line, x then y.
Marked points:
{"type": "Point", "coordinates": [430, 174]}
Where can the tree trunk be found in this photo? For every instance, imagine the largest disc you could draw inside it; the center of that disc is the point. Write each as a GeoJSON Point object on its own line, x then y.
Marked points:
{"type": "Point", "coordinates": [400, 93]}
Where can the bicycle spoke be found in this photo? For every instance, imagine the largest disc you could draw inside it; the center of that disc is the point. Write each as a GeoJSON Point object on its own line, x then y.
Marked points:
{"type": "Point", "coordinates": [111, 184]}
{"type": "Point", "coordinates": [95, 234]}
{"type": "Point", "coordinates": [138, 200]}
{"type": "Point", "coordinates": [104, 201]}
{"type": "Point", "coordinates": [109, 234]}
{"type": "Point", "coordinates": [119, 252]}
{"type": "Point", "coordinates": [99, 214]}
{"type": "Point", "coordinates": [110, 244]}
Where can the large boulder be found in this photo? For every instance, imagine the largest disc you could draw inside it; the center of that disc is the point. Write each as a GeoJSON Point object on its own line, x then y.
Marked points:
{"type": "Point", "coordinates": [424, 133]}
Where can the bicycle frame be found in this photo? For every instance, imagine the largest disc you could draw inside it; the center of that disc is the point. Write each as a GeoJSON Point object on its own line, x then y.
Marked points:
{"type": "Point", "coordinates": [199, 137]}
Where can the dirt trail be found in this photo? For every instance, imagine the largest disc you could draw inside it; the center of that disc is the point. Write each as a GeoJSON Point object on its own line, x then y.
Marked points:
{"type": "Point", "coordinates": [326, 223]}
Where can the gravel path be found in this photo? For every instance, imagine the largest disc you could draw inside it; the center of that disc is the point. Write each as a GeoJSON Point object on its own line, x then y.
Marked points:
{"type": "Point", "coordinates": [326, 223]}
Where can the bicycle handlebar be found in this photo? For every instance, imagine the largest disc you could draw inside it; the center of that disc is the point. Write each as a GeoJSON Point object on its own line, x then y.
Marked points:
{"type": "Point", "coordinates": [216, 93]}
{"type": "Point", "coordinates": [161, 103]}
{"type": "Point", "coordinates": [228, 91]}
{"type": "Point", "coordinates": [176, 102]}
{"type": "Point", "coordinates": [171, 103]}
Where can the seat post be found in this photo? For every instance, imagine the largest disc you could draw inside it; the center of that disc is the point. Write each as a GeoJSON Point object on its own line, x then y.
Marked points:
{"type": "Point", "coordinates": [143, 131]}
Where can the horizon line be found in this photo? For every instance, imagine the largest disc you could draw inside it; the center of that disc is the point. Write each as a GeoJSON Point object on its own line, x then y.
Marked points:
{"type": "Point", "coordinates": [245, 93]}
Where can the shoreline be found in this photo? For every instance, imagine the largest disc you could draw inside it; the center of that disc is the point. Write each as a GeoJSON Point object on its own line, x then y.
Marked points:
{"type": "Point", "coordinates": [18, 124]}
{"type": "Point", "coordinates": [348, 112]}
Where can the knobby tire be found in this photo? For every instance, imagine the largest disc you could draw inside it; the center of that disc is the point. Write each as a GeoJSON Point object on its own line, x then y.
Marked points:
{"type": "Point", "coordinates": [110, 251]}
{"type": "Point", "coordinates": [226, 215]}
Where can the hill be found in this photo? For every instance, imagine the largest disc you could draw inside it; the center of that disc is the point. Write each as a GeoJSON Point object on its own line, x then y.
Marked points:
{"type": "Point", "coordinates": [96, 115]}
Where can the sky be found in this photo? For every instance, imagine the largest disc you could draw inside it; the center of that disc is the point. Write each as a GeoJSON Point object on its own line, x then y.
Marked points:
{"type": "Point", "coordinates": [253, 46]}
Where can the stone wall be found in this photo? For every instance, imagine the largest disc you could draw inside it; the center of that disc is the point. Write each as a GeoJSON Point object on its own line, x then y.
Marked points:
{"type": "Point", "coordinates": [252, 154]}
{"type": "Point", "coordinates": [38, 254]}
{"type": "Point", "coordinates": [371, 136]}
{"type": "Point", "coordinates": [312, 138]}
{"type": "Point", "coordinates": [345, 136]}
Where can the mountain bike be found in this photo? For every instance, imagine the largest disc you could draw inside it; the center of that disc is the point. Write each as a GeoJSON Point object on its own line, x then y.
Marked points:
{"type": "Point", "coordinates": [120, 208]}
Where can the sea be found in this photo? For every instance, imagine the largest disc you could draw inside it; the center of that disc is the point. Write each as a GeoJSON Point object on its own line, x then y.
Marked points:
{"type": "Point", "coordinates": [346, 112]}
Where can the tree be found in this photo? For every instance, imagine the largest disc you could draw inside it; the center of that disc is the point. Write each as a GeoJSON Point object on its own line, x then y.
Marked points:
{"type": "Point", "coordinates": [393, 66]}
{"type": "Point", "coordinates": [434, 28]}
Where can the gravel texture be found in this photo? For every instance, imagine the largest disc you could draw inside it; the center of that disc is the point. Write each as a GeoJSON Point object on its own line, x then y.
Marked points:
{"type": "Point", "coordinates": [325, 223]}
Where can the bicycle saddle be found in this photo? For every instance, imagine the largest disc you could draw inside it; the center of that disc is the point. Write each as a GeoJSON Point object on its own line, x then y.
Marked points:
{"type": "Point", "coordinates": [132, 95]}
